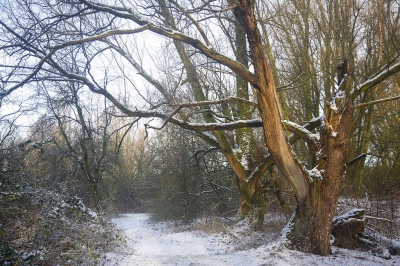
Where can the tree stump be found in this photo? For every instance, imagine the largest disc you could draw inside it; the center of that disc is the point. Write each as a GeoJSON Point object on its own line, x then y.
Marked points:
{"type": "Point", "coordinates": [347, 228]}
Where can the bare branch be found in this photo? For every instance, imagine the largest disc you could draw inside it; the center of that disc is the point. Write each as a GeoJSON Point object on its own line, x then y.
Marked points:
{"type": "Point", "coordinates": [376, 79]}
{"type": "Point", "coordinates": [54, 49]}
{"type": "Point", "coordinates": [140, 70]}
{"type": "Point", "coordinates": [191, 126]}
{"type": "Point", "coordinates": [208, 51]}
{"type": "Point", "coordinates": [100, 37]}
{"type": "Point", "coordinates": [361, 105]}
{"type": "Point", "coordinates": [193, 21]}
{"type": "Point", "coordinates": [301, 131]}
{"type": "Point", "coordinates": [229, 99]}
{"type": "Point", "coordinates": [221, 10]}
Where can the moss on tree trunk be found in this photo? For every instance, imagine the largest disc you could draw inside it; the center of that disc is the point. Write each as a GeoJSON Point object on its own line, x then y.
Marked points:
{"type": "Point", "coordinates": [252, 203]}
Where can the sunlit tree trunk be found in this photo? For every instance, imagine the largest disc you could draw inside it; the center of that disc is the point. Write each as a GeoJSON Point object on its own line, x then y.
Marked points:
{"type": "Point", "coordinates": [272, 62]}
{"type": "Point", "coordinates": [316, 196]}
{"type": "Point", "coordinates": [311, 224]}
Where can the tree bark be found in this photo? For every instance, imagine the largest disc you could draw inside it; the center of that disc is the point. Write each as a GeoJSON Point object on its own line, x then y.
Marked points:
{"type": "Point", "coordinates": [316, 194]}
{"type": "Point", "coordinates": [252, 203]}
{"type": "Point", "coordinates": [310, 227]}
{"type": "Point", "coordinates": [274, 135]}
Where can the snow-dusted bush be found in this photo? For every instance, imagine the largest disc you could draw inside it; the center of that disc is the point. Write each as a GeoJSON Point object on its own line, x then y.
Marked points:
{"type": "Point", "coordinates": [44, 226]}
{"type": "Point", "coordinates": [55, 232]}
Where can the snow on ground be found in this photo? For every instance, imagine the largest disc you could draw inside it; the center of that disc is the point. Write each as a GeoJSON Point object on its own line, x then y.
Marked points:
{"type": "Point", "coordinates": [150, 243]}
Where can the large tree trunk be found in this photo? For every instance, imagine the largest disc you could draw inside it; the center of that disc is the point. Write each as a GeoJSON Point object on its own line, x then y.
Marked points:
{"type": "Point", "coordinates": [316, 194]}
{"type": "Point", "coordinates": [310, 228]}
{"type": "Point", "coordinates": [252, 202]}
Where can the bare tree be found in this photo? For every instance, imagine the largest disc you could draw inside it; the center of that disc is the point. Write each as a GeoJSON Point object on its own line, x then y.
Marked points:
{"type": "Point", "coordinates": [83, 132]}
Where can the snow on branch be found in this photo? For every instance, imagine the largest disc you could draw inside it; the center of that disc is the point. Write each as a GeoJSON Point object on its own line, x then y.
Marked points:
{"type": "Point", "coordinates": [204, 103]}
{"type": "Point", "coordinates": [208, 137]}
{"type": "Point", "coordinates": [218, 126]}
{"type": "Point", "coordinates": [315, 173]}
{"type": "Point", "coordinates": [263, 165]}
{"type": "Point", "coordinates": [187, 125]}
{"type": "Point", "coordinates": [100, 37]}
{"type": "Point", "coordinates": [376, 102]}
{"type": "Point", "coordinates": [301, 131]}
{"type": "Point", "coordinates": [376, 79]}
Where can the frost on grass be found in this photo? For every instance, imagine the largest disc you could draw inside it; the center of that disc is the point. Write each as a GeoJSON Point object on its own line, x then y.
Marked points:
{"type": "Point", "coordinates": [77, 203]}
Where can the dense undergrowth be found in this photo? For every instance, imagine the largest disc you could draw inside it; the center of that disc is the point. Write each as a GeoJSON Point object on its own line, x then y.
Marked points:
{"type": "Point", "coordinates": [42, 222]}
{"type": "Point", "coordinates": [56, 231]}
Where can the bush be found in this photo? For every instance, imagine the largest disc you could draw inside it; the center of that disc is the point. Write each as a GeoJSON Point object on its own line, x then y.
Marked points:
{"type": "Point", "coordinates": [41, 226]}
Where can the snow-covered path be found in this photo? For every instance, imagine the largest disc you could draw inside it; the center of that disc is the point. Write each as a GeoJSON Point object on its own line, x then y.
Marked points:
{"type": "Point", "coordinates": [156, 244]}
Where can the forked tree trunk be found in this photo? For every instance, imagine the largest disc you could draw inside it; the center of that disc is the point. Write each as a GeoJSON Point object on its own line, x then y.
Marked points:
{"type": "Point", "coordinates": [316, 194]}
{"type": "Point", "coordinates": [310, 227]}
